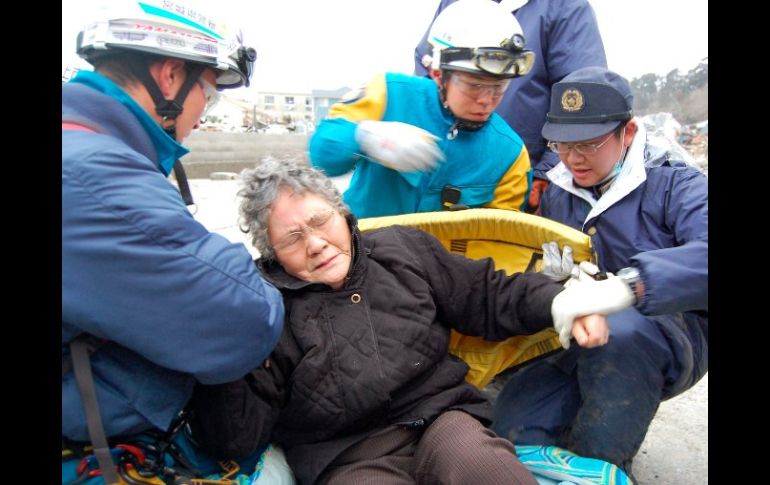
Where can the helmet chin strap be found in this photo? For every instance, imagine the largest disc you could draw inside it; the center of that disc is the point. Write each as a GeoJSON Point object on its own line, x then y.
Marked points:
{"type": "Point", "coordinates": [465, 124]}
{"type": "Point", "coordinates": [460, 123]}
{"type": "Point", "coordinates": [168, 109]}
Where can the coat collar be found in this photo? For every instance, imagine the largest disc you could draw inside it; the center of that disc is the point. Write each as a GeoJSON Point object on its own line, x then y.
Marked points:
{"type": "Point", "coordinates": [167, 150]}
{"type": "Point", "coordinates": [512, 5]}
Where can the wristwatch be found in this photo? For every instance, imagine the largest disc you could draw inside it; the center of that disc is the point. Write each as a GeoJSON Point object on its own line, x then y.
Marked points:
{"type": "Point", "coordinates": [633, 279]}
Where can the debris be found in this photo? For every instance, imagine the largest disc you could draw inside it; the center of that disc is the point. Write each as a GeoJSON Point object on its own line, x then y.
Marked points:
{"type": "Point", "coordinates": [223, 176]}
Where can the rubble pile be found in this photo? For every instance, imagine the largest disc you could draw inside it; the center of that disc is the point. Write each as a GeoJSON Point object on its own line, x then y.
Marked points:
{"type": "Point", "coordinates": [698, 146]}
{"type": "Point", "coordinates": [688, 142]}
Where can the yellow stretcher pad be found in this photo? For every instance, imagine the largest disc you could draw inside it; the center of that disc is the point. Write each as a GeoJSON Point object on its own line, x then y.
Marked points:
{"type": "Point", "coordinates": [514, 241]}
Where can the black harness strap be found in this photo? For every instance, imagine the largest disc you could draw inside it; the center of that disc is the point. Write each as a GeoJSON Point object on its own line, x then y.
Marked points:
{"type": "Point", "coordinates": [92, 345]}
{"type": "Point", "coordinates": [184, 186]}
{"type": "Point", "coordinates": [82, 346]}
{"type": "Point", "coordinates": [85, 381]}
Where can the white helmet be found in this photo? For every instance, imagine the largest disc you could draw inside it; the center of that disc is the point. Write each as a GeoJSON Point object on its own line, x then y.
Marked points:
{"type": "Point", "coordinates": [480, 37]}
{"type": "Point", "coordinates": [169, 29]}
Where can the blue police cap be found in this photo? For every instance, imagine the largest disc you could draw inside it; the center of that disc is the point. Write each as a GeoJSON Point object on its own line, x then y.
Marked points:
{"type": "Point", "coordinates": [586, 104]}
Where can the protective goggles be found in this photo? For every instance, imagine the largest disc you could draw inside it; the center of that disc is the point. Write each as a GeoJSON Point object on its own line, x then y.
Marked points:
{"type": "Point", "coordinates": [497, 61]}
{"type": "Point", "coordinates": [210, 93]}
{"type": "Point", "coordinates": [476, 89]}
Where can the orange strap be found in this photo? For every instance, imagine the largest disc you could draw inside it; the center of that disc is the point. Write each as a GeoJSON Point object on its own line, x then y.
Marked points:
{"type": "Point", "coordinates": [75, 126]}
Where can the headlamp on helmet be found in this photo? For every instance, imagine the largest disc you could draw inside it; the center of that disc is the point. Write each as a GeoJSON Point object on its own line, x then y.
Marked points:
{"type": "Point", "coordinates": [244, 59]}
{"type": "Point", "coordinates": [510, 60]}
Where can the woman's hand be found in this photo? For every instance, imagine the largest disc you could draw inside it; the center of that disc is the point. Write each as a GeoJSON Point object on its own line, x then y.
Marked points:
{"type": "Point", "coordinates": [591, 330]}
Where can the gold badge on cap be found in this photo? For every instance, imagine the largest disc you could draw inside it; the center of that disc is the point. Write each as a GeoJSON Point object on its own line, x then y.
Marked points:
{"type": "Point", "coordinates": [572, 100]}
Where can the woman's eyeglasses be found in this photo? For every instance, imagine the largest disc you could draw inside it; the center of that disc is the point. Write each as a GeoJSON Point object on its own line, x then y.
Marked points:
{"type": "Point", "coordinates": [320, 221]}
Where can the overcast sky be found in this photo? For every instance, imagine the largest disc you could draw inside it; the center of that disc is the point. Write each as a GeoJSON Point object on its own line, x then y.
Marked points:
{"type": "Point", "coordinates": [327, 44]}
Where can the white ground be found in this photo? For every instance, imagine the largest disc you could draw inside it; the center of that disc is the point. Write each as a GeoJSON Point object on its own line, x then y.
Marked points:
{"type": "Point", "coordinates": [676, 448]}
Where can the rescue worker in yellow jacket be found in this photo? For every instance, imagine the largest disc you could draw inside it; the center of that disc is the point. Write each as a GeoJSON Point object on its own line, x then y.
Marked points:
{"type": "Point", "coordinates": [420, 145]}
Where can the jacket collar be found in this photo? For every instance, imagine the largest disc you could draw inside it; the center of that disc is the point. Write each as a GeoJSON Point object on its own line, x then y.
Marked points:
{"type": "Point", "coordinates": [632, 175]}
{"type": "Point", "coordinates": [282, 280]}
{"type": "Point", "coordinates": [512, 5]}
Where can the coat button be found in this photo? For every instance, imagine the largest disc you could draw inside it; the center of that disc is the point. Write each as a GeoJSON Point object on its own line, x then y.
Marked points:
{"type": "Point", "coordinates": [591, 231]}
{"type": "Point", "coordinates": [355, 298]}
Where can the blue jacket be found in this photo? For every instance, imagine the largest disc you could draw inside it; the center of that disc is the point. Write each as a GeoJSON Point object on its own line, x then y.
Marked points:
{"type": "Point", "coordinates": [653, 217]}
{"type": "Point", "coordinates": [489, 166]}
{"type": "Point", "coordinates": [174, 302]}
{"type": "Point", "coordinates": [564, 36]}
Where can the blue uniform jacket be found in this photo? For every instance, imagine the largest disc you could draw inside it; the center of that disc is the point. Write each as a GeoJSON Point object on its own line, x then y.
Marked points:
{"type": "Point", "coordinates": [653, 217]}
{"type": "Point", "coordinates": [564, 36]}
{"type": "Point", "coordinates": [174, 302]}
{"type": "Point", "coordinates": [490, 166]}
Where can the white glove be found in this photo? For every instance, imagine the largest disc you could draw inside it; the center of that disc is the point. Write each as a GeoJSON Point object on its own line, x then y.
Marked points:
{"type": "Point", "coordinates": [399, 146]}
{"type": "Point", "coordinates": [585, 271]}
{"type": "Point", "coordinates": [585, 297]}
{"type": "Point", "coordinates": [560, 267]}
{"type": "Point", "coordinates": [556, 266]}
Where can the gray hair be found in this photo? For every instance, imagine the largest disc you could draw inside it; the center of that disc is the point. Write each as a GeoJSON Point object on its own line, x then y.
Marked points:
{"type": "Point", "coordinates": [262, 186]}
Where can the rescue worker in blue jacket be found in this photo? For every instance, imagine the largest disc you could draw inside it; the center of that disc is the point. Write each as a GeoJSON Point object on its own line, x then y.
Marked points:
{"type": "Point", "coordinates": [564, 36]}
{"type": "Point", "coordinates": [168, 302]}
{"type": "Point", "coordinates": [647, 215]}
{"type": "Point", "coordinates": [420, 145]}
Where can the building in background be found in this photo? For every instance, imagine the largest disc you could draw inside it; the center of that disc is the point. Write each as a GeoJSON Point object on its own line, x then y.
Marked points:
{"type": "Point", "coordinates": [293, 110]}
{"type": "Point", "coordinates": [322, 101]}
{"type": "Point", "coordinates": [272, 112]}
{"type": "Point", "coordinates": [235, 115]}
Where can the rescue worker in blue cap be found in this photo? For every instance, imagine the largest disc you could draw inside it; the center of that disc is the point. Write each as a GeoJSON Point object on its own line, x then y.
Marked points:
{"type": "Point", "coordinates": [647, 215]}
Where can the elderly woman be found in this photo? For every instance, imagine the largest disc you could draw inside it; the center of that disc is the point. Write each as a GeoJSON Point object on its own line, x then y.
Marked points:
{"type": "Point", "coordinates": [361, 386]}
